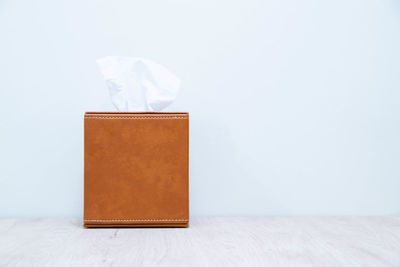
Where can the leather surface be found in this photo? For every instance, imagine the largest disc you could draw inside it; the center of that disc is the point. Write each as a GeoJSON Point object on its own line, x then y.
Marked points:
{"type": "Point", "coordinates": [136, 169]}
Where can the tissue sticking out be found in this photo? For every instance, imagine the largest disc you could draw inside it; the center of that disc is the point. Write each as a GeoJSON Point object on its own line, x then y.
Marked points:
{"type": "Point", "coordinates": [138, 84]}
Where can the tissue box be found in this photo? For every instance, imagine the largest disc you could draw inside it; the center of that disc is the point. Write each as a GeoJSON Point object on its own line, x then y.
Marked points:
{"type": "Point", "coordinates": [136, 169]}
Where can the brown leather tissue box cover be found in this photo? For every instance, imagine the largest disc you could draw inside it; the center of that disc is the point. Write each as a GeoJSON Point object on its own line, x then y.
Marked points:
{"type": "Point", "coordinates": [136, 169]}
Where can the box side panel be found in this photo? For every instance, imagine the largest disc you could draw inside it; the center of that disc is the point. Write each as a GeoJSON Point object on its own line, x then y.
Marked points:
{"type": "Point", "coordinates": [136, 171]}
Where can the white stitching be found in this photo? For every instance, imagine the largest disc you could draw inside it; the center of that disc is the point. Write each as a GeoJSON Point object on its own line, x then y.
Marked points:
{"type": "Point", "coordinates": [148, 220]}
{"type": "Point", "coordinates": [135, 118]}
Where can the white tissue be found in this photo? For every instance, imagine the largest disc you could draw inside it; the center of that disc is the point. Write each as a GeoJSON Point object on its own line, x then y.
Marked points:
{"type": "Point", "coordinates": [138, 84]}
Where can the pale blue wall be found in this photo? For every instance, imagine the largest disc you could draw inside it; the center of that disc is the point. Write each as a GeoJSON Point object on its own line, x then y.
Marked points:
{"type": "Point", "coordinates": [294, 104]}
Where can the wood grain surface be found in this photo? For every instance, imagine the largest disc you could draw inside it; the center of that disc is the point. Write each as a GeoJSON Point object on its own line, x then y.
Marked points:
{"type": "Point", "coordinates": [246, 241]}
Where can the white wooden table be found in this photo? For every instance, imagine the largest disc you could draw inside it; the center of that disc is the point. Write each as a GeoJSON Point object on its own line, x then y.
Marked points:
{"type": "Point", "coordinates": [270, 241]}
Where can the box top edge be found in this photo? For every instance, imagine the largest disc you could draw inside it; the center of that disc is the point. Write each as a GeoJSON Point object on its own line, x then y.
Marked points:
{"type": "Point", "coordinates": [141, 113]}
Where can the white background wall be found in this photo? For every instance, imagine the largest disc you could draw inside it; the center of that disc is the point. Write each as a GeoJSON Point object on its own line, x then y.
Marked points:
{"type": "Point", "coordinates": [294, 104]}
